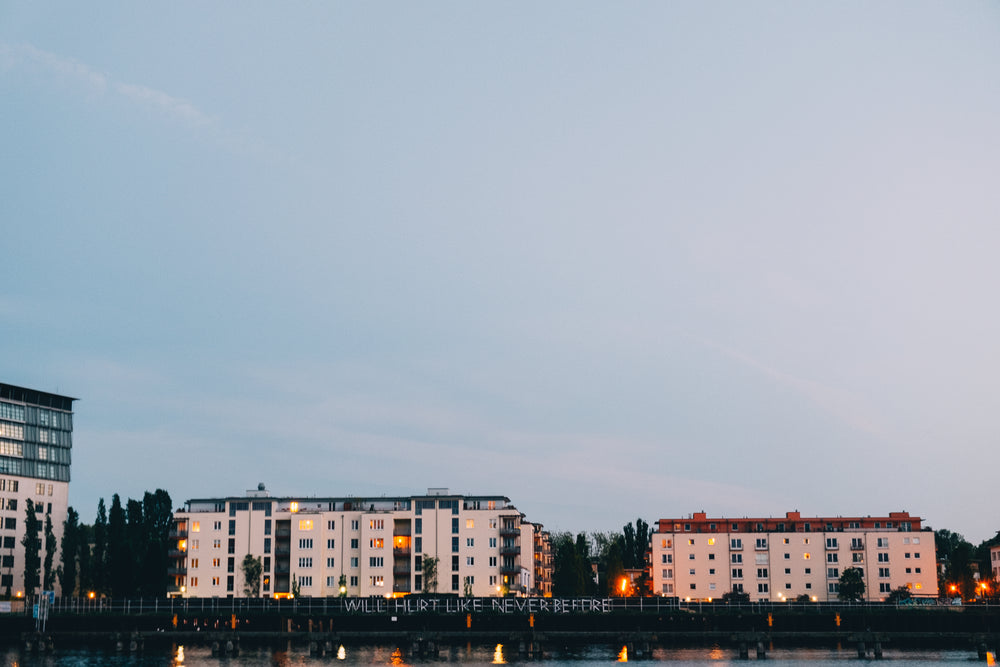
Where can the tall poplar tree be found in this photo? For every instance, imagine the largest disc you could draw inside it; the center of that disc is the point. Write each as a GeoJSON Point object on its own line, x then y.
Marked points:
{"type": "Point", "coordinates": [69, 549]}
{"type": "Point", "coordinates": [49, 579]}
{"type": "Point", "coordinates": [32, 546]}
{"type": "Point", "coordinates": [118, 556]}
{"type": "Point", "coordinates": [99, 557]}
{"type": "Point", "coordinates": [158, 518]}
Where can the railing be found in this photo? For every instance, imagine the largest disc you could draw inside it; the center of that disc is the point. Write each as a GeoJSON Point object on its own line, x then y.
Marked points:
{"type": "Point", "coordinates": [509, 531]}
{"type": "Point", "coordinates": [401, 569]}
{"type": "Point", "coordinates": [857, 546]}
{"type": "Point", "coordinates": [176, 553]}
{"type": "Point", "coordinates": [176, 570]}
{"type": "Point", "coordinates": [510, 569]}
{"type": "Point", "coordinates": [509, 550]}
{"type": "Point", "coordinates": [329, 605]}
{"type": "Point", "coordinates": [401, 551]}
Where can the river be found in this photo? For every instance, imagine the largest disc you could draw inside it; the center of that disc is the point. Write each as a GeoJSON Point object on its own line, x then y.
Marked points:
{"type": "Point", "coordinates": [474, 655]}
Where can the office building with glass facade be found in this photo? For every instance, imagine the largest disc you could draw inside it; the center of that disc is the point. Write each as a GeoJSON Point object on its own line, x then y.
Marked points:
{"type": "Point", "coordinates": [36, 440]}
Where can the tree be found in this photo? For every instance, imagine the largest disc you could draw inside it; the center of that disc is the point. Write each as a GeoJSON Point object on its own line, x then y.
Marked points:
{"type": "Point", "coordinates": [467, 588]}
{"type": "Point", "coordinates": [296, 588]}
{"type": "Point", "coordinates": [852, 585]}
{"type": "Point", "coordinates": [98, 562]}
{"type": "Point", "coordinates": [615, 581]}
{"type": "Point", "coordinates": [49, 578]}
{"type": "Point", "coordinates": [898, 595]}
{"type": "Point", "coordinates": [430, 568]}
{"type": "Point", "coordinates": [32, 546]}
{"type": "Point", "coordinates": [636, 543]}
{"type": "Point", "coordinates": [157, 517]}
{"type": "Point", "coordinates": [69, 549]}
{"type": "Point", "coordinates": [735, 596]}
{"type": "Point", "coordinates": [342, 582]}
{"type": "Point", "coordinates": [118, 556]}
{"type": "Point", "coordinates": [252, 569]}
{"type": "Point", "coordinates": [571, 572]}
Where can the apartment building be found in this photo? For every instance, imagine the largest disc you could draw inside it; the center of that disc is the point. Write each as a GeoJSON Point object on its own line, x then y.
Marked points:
{"type": "Point", "coordinates": [355, 546]}
{"type": "Point", "coordinates": [995, 562]}
{"type": "Point", "coordinates": [776, 559]}
{"type": "Point", "coordinates": [36, 438]}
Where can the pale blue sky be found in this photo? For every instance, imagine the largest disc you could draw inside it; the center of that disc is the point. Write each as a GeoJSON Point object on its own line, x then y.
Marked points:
{"type": "Point", "coordinates": [609, 259]}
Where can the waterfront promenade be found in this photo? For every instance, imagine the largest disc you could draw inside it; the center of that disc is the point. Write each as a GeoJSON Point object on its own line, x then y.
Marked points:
{"type": "Point", "coordinates": [424, 624]}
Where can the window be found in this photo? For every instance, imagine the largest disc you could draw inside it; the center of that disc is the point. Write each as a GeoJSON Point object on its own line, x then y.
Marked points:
{"type": "Point", "coordinates": [884, 588]}
{"type": "Point", "coordinates": [883, 572]}
{"type": "Point", "coordinates": [711, 587]}
{"type": "Point", "coordinates": [267, 526]}
{"type": "Point", "coordinates": [493, 561]}
{"type": "Point", "coordinates": [418, 544]}
{"type": "Point", "coordinates": [762, 573]}
{"type": "Point", "coordinates": [788, 587]}
{"type": "Point", "coordinates": [832, 573]}
{"type": "Point", "coordinates": [305, 561]}
{"type": "Point", "coordinates": [736, 543]}
{"type": "Point", "coordinates": [736, 558]}
{"type": "Point", "coordinates": [194, 562]}
{"type": "Point", "coordinates": [470, 523]}
{"type": "Point", "coordinates": [305, 524]}
{"type": "Point", "coordinates": [267, 545]}
{"type": "Point", "coordinates": [354, 563]}
{"type": "Point", "coordinates": [761, 543]}
{"type": "Point", "coordinates": [232, 545]}
{"type": "Point", "coordinates": [690, 556]}
{"type": "Point", "coordinates": [418, 526]}
{"type": "Point", "coordinates": [331, 582]}
{"type": "Point", "coordinates": [232, 526]}
{"type": "Point", "coordinates": [916, 540]}
{"type": "Point", "coordinates": [691, 542]}
{"type": "Point", "coordinates": [454, 544]}
{"type": "Point", "coordinates": [857, 558]}
{"type": "Point", "coordinates": [376, 543]}
{"type": "Point", "coordinates": [711, 541]}
{"type": "Point", "coordinates": [454, 582]}
{"type": "Point", "coordinates": [216, 562]}
{"type": "Point", "coordinates": [470, 542]}
{"type": "Point", "coordinates": [883, 543]}
{"type": "Point", "coordinates": [377, 524]}
{"type": "Point", "coordinates": [788, 556]}
{"type": "Point", "coordinates": [196, 526]}
{"type": "Point", "coordinates": [711, 571]}
{"type": "Point", "coordinates": [331, 543]}
{"type": "Point", "coordinates": [493, 542]}
{"type": "Point", "coordinates": [809, 570]}
{"type": "Point", "coordinates": [306, 581]}
{"type": "Point", "coordinates": [354, 543]}
{"type": "Point", "coordinates": [454, 562]}
{"type": "Point", "coordinates": [883, 557]}
{"type": "Point", "coordinates": [788, 570]}
{"type": "Point", "coordinates": [331, 525]}
{"type": "Point", "coordinates": [354, 580]}
{"type": "Point", "coordinates": [454, 525]}
{"type": "Point", "coordinates": [376, 561]}
{"type": "Point", "coordinates": [230, 583]}
{"type": "Point", "coordinates": [833, 587]}
{"type": "Point", "coordinates": [470, 560]}
{"type": "Point", "coordinates": [711, 556]}
{"type": "Point", "coordinates": [691, 572]}
{"type": "Point", "coordinates": [806, 556]}
{"type": "Point", "coordinates": [668, 573]}
{"type": "Point", "coordinates": [355, 524]}
{"type": "Point", "coordinates": [737, 573]}
{"type": "Point", "coordinates": [215, 581]}
{"type": "Point", "coordinates": [831, 543]}
{"type": "Point", "coordinates": [831, 558]}
{"type": "Point", "coordinates": [305, 543]}
{"type": "Point", "coordinates": [217, 525]}
{"type": "Point", "coordinates": [762, 588]}
{"type": "Point", "coordinates": [329, 561]}
{"type": "Point", "coordinates": [694, 587]}
{"type": "Point", "coordinates": [470, 580]}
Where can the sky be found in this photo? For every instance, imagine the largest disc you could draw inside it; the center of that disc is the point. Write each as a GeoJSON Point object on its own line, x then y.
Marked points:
{"type": "Point", "coordinates": [611, 260]}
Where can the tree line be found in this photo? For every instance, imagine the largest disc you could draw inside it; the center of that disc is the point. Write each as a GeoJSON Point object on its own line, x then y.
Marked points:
{"type": "Point", "coordinates": [122, 554]}
{"type": "Point", "coordinates": [596, 564]}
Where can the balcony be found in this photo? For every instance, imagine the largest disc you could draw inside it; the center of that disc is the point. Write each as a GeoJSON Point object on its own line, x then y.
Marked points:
{"type": "Point", "coordinates": [402, 551]}
{"type": "Point", "coordinates": [178, 533]}
{"type": "Point", "coordinates": [510, 569]}
{"type": "Point", "coordinates": [509, 550]}
{"type": "Point", "coordinates": [174, 570]}
{"type": "Point", "coordinates": [402, 568]}
{"type": "Point", "coordinates": [857, 545]}
{"type": "Point", "coordinates": [401, 587]}
{"type": "Point", "coordinates": [510, 531]}
{"type": "Point", "coordinates": [177, 553]}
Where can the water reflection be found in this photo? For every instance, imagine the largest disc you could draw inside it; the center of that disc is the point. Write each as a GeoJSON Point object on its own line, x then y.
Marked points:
{"type": "Point", "coordinates": [623, 654]}
{"type": "Point", "coordinates": [716, 653]}
{"type": "Point", "coordinates": [498, 655]}
{"type": "Point", "coordinates": [179, 657]}
{"type": "Point", "coordinates": [341, 653]}
{"type": "Point", "coordinates": [396, 658]}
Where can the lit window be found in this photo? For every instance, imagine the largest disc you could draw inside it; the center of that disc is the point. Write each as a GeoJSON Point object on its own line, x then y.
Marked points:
{"type": "Point", "coordinates": [305, 524]}
{"type": "Point", "coordinates": [293, 506]}
{"type": "Point", "coordinates": [806, 556]}
{"type": "Point", "coordinates": [470, 523]}
{"type": "Point", "coordinates": [196, 526]}
{"type": "Point", "coordinates": [711, 541]}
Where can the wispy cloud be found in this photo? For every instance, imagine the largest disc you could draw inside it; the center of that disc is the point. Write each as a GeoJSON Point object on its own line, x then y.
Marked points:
{"type": "Point", "coordinates": [15, 56]}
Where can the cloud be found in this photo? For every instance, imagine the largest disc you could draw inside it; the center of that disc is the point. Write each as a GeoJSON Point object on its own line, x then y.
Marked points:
{"type": "Point", "coordinates": [26, 56]}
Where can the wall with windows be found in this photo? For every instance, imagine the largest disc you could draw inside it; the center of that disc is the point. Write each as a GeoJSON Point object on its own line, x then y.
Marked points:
{"type": "Point", "coordinates": [704, 559]}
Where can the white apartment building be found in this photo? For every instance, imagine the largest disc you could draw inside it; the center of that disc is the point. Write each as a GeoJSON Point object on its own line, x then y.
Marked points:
{"type": "Point", "coordinates": [995, 562]}
{"type": "Point", "coordinates": [777, 559]}
{"type": "Point", "coordinates": [368, 546]}
{"type": "Point", "coordinates": [36, 437]}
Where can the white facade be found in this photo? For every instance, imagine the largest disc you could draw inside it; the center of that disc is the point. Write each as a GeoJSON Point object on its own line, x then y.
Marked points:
{"type": "Point", "coordinates": [995, 563]}
{"type": "Point", "coordinates": [781, 559]}
{"type": "Point", "coordinates": [35, 443]}
{"type": "Point", "coordinates": [377, 545]}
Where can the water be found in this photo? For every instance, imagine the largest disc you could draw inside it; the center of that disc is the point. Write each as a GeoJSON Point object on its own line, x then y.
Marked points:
{"type": "Point", "coordinates": [198, 656]}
